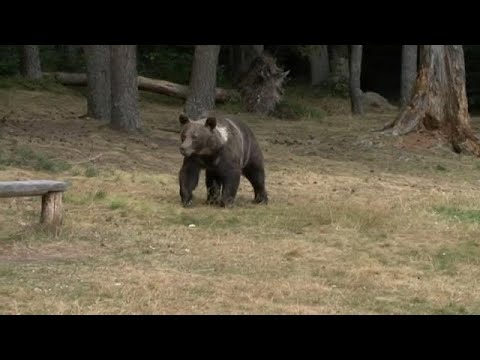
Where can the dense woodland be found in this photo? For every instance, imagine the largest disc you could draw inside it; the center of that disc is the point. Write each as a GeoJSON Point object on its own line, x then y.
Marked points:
{"type": "Point", "coordinates": [381, 65]}
{"type": "Point", "coordinates": [256, 76]}
{"type": "Point", "coordinates": [371, 160]}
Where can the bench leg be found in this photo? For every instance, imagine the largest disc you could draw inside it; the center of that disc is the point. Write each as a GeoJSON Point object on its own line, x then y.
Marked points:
{"type": "Point", "coordinates": [52, 209]}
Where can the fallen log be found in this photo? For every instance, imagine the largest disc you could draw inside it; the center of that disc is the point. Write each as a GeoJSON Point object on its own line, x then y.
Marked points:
{"type": "Point", "coordinates": [147, 84]}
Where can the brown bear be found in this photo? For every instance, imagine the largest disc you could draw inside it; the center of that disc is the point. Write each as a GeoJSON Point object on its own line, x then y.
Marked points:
{"type": "Point", "coordinates": [226, 149]}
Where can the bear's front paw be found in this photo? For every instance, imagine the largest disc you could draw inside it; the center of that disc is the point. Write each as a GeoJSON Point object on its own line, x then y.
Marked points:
{"type": "Point", "coordinates": [187, 204]}
{"type": "Point", "coordinates": [261, 198]}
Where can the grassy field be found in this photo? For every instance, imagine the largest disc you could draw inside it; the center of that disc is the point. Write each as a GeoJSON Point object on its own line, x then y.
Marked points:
{"type": "Point", "coordinates": [358, 223]}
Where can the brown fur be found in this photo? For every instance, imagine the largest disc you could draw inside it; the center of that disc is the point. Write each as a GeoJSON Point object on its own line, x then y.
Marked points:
{"type": "Point", "coordinates": [226, 149]}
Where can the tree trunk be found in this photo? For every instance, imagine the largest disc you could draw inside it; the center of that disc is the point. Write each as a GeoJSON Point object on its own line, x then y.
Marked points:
{"type": "Point", "coordinates": [409, 72]}
{"type": "Point", "coordinates": [319, 65]}
{"type": "Point", "coordinates": [30, 62]}
{"type": "Point", "coordinates": [439, 100]}
{"type": "Point", "coordinates": [339, 64]}
{"type": "Point", "coordinates": [99, 99]}
{"type": "Point", "coordinates": [71, 52]}
{"type": "Point", "coordinates": [125, 108]}
{"type": "Point", "coordinates": [355, 74]}
{"type": "Point", "coordinates": [201, 97]}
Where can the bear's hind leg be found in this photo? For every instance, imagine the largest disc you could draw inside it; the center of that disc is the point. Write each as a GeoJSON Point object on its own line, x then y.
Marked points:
{"type": "Point", "coordinates": [256, 175]}
{"type": "Point", "coordinates": [231, 182]}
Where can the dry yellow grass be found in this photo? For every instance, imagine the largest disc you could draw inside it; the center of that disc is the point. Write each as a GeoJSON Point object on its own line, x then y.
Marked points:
{"type": "Point", "coordinates": [359, 223]}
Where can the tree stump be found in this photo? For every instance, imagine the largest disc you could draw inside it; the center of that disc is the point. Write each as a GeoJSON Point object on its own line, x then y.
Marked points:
{"type": "Point", "coordinates": [262, 87]}
{"type": "Point", "coordinates": [439, 99]}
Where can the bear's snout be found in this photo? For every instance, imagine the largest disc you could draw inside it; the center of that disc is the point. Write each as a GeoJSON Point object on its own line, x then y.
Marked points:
{"type": "Point", "coordinates": [185, 151]}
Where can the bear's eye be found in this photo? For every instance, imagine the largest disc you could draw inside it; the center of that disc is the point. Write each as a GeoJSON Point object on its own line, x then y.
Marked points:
{"type": "Point", "coordinates": [194, 136]}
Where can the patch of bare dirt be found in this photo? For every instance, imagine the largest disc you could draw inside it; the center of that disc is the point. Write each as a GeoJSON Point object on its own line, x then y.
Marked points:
{"type": "Point", "coordinates": [420, 141]}
{"type": "Point", "coordinates": [58, 130]}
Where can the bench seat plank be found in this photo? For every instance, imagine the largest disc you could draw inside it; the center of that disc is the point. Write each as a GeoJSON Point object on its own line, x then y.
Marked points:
{"type": "Point", "coordinates": [30, 187]}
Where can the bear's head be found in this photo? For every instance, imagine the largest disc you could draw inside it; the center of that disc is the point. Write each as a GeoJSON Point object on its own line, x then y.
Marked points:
{"type": "Point", "coordinates": [200, 137]}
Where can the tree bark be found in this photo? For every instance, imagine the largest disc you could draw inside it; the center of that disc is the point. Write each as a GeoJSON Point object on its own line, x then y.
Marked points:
{"type": "Point", "coordinates": [99, 100]}
{"type": "Point", "coordinates": [339, 64]}
{"type": "Point", "coordinates": [355, 75]}
{"type": "Point", "coordinates": [125, 109]}
{"type": "Point", "coordinates": [319, 65]}
{"type": "Point", "coordinates": [409, 72]}
{"type": "Point", "coordinates": [201, 97]}
{"type": "Point", "coordinates": [30, 62]}
{"type": "Point", "coordinates": [439, 100]}
{"type": "Point", "coordinates": [70, 54]}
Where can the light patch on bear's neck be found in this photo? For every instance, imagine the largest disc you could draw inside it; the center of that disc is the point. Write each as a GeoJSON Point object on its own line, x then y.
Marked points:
{"type": "Point", "coordinates": [223, 131]}
{"type": "Point", "coordinates": [240, 138]}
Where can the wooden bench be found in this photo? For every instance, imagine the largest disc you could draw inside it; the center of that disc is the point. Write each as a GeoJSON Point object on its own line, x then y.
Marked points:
{"type": "Point", "coordinates": [51, 192]}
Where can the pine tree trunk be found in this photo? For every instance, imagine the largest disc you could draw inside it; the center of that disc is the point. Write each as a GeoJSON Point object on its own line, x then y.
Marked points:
{"type": "Point", "coordinates": [319, 65]}
{"type": "Point", "coordinates": [439, 100]}
{"type": "Point", "coordinates": [339, 64]}
{"type": "Point", "coordinates": [70, 53]}
{"type": "Point", "coordinates": [355, 75]}
{"type": "Point", "coordinates": [201, 97]}
{"type": "Point", "coordinates": [409, 72]}
{"type": "Point", "coordinates": [99, 99]}
{"type": "Point", "coordinates": [125, 108]}
{"type": "Point", "coordinates": [30, 62]}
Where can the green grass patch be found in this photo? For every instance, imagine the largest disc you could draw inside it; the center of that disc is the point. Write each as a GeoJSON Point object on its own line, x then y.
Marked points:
{"type": "Point", "coordinates": [458, 214]}
{"type": "Point", "coordinates": [118, 203]}
{"type": "Point", "coordinates": [25, 157]}
{"type": "Point", "coordinates": [91, 171]}
{"type": "Point", "coordinates": [448, 258]}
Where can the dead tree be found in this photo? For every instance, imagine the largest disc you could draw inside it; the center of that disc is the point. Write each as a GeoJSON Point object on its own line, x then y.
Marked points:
{"type": "Point", "coordinates": [439, 101]}
{"type": "Point", "coordinates": [148, 84]}
{"type": "Point", "coordinates": [262, 87]}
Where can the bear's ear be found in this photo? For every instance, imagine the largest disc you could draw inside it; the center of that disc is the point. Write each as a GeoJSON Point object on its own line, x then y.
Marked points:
{"type": "Point", "coordinates": [211, 123]}
{"type": "Point", "coordinates": [183, 119]}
